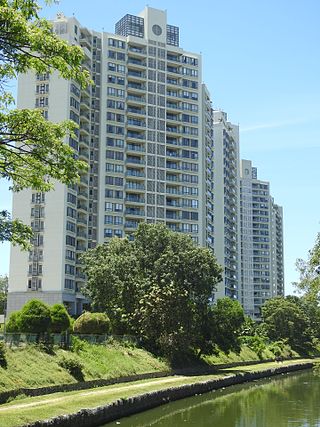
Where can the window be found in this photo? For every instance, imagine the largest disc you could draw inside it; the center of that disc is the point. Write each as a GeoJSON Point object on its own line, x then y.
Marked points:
{"type": "Point", "coordinates": [71, 226]}
{"type": "Point", "coordinates": [71, 241]}
{"type": "Point", "coordinates": [72, 213]}
{"type": "Point", "coordinates": [69, 284]}
{"type": "Point", "coordinates": [108, 232]}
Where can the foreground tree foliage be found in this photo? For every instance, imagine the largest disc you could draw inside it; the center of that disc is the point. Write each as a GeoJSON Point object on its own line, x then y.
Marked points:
{"type": "Point", "coordinates": [157, 286]}
{"type": "Point", "coordinates": [285, 319]}
{"type": "Point", "coordinates": [60, 319]}
{"type": "Point", "coordinates": [32, 149]}
{"type": "Point", "coordinates": [35, 317]}
{"type": "Point", "coordinates": [226, 321]}
{"type": "Point", "coordinates": [309, 281]}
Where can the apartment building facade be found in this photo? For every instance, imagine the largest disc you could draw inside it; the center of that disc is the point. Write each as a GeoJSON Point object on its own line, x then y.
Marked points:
{"type": "Point", "coordinates": [157, 151]}
{"type": "Point", "coordinates": [261, 236]}
{"type": "Point", "coordinates": [226, 202]}
{"type": "Point", "coordinates": [145, 129]}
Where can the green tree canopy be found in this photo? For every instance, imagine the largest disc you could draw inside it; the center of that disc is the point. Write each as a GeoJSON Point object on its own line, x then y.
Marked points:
{"type": "Point", "coordinates": [226, 320]}
{"type": "Point", "coordinates": [35, 317]}
{"type": "Point", "coordinates": [32, 150]}
{"type": "Point", "coordinates": [284, 319]}
{"type": "Point", "coordinates": [92, 323]}
{"type": "Point", "coordinates": [158, 285]}
{"type": "Point", "coordinates": [60, 319]}
{"type": "Point", "coordinates": [309, 281]}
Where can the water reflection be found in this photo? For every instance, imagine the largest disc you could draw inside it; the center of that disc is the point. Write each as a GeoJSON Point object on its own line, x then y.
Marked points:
{"type": "Point", "coordinates": [286, 401]}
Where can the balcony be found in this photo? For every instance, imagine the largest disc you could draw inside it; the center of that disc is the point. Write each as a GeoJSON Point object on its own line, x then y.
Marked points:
{"type": "Point", "coordinates": [134, 199]}
{"type": "Point", "coordinates": [171, 165]}
{"type": "Point", "coordinates": [84, 155]}
{"type": "Point", "coordinates": [136, 74]}
{"type": "Point", "coordinates": [173, 105]}
{"type": "Point", "coordinates": [174, 70]}
{"type": "Point", "coordinates": [131, 224]}
{"type": "Point", "coordinates": [136, 62]}
{"type": "Point", "coordinates": [136, 173]}
{"type": "Point", "coordinates": [135, 135]}
{"type": "Point", "coordinates": [136, 122]}
{"type": "Point", "coordinates": [136, 147]}
{"type": "Point", "coordinates": [135, 160]}
{"type": "Point", "coordinates": [82, 207]}
{"type": "Point", "coordinates": [173, 203]}
{"type": "Point", "coordinates": [173, 190]}
{"type": "Point", "coordinates": [172, 153]}
{"type": "Point", "coordinates": [82, 221]}
{"type": "Point", "coordinates": [135, 186]}
{"type": "Point", "coordinates": [136, 86]}
{"type": "Point", "coordinates": [172, 178]}
{"type": "Point", "coordinates": [173, 129]}
{"type": "Point", "coordinates": [173, 141]}
{"type": "Point", "coordinates": [135, 98]}
{"type": "Point", "coordinates": [173, 215]}
{"type": "Point", "coordinates": [173, 58]}
{"type": "Point", "coordinates": [136, 110]}
{"type": "Point", "coordinates": [134, 212]}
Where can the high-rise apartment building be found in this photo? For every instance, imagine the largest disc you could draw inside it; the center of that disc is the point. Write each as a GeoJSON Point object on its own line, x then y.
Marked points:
{"type": "Point", "coordinates": [261, 243]}
{"type": "Point", "coordinates": [226, 201]}
{"type": "Point", "coordinates": [145, 129]}
{"type": "Point", "coordinates": [157, 152]}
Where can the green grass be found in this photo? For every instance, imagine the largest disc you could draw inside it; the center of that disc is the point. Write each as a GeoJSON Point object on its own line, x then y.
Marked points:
{"type": "Point", "coordinates": [246, 354]}
{"type": "Point", "coordinates": [31, 368]}
{"type": "Point", "coordinates": [20, 412]}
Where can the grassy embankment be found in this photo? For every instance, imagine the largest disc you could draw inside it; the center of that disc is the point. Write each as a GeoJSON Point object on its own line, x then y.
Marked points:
{"type": "Point", "coordinates": [24, 410]}
{"type": "Point", "coordinates": [29, 367]}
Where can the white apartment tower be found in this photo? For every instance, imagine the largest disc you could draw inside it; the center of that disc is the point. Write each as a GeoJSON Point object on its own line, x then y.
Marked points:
{"type": "Point", "coordinates": [157, 152]}
{"type": "Point", "coordinates": [145, 129]}
{"type": "Point", "coordinates": [226, 201]}
{"type": "Point", "coordinates": [261, 243]}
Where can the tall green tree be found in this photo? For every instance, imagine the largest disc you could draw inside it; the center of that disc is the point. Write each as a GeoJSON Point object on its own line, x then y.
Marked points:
{"type": "Point", "coordinates": [226, 320]}
{"type": "Point", "coordinates": [309, 280]}
{"type": "Point", "coordinates": [32, 150]}
{"type": "Point", "coordinates": [284, 319]}
{"type": "Point", "coordinates": [158, 286]}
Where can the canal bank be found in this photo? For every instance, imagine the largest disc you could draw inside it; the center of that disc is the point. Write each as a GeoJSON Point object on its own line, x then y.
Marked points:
{"type": "Point", "coordinates": [135, 397]}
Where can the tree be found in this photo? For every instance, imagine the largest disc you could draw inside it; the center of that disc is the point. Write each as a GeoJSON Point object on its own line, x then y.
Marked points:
{"type": "Point", "coordinates": [3, 293]}
{"type": "Point", "coordinates": [141, 283]}
{"type": "Point", "coordinates": [32, 149]}
{"type": "Point", "coordinates": [309, 282]}
{"type": "Point", "coordinates": [285, 320]}
{"type": "Point", "coordinates": [226, 319]}
{"type": "Point", "coordinates": [60, 319]}
{"type": "Point", "coordinates": [92, 323]}
{"type": "Point", "coordinates": [35, 317]}
{"type": "Point", "coordinates": [13, 323]}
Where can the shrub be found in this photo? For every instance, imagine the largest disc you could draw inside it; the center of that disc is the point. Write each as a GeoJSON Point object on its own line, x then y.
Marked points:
{"type": "Point", "coordinates": [35, 317]}
{"type": "Point", "coordinates": [60, 319]}
{"type": "Point", "coordinates": [72, 365]}
{"type": "Point", "coordinates": [3, 358]}
{"type": "Point", "coordinates": [13, 323]}
{"type": "Point", "coordinates": [256, 343]}
{"type": "Point", "coordinates": [92, 323]}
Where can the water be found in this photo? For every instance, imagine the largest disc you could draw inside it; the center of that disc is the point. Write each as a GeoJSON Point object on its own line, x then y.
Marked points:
{"type": "Point", "coordinates": [291, 400]}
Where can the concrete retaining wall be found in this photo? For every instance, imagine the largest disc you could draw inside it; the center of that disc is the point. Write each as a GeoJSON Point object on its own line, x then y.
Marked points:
{"type": "Point", "coordinates": [125, 407]}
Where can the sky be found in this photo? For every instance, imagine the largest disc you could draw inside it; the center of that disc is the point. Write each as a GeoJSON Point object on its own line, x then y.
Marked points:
{"type": "Point", "coordinates": [261, 64]}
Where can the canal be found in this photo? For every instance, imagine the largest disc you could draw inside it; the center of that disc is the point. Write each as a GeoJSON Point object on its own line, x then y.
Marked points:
{"type": "Point", "coordinates": [284, 401]}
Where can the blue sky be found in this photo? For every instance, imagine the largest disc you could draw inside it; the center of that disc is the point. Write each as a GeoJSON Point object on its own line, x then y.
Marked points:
{"type": "Point", "coordinates": [261, 64]}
